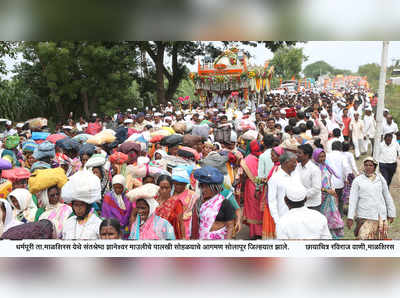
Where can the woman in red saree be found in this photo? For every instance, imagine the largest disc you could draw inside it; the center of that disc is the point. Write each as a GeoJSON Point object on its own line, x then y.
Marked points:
{"type": "Point", "coordinates": [252, 214]}
{"type": "Point", "coordinates": [170, 208]}
{"type": "Point", "coordinates": [268, 227]}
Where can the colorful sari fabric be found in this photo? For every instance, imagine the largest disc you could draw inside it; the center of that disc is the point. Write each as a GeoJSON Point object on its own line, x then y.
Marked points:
{"type": "Point", "coordinates": [368, 229]}
{"type": "Point", "coordinates": [155, 228]}
{"type": "Point", "coordinates": [347, 187]}
{"type": "Point", "coordinates": [268, 226]}
{"type": "Point", "coordinates": [172, 210]}
{"type": "Point", "coordinates": [111, 209]}
{"type": "Point", "coordinates": [328, 206]}
{"type": "Point", "coordinates": [57, 214]}
{"type": "Point", "coordinates": [188, 199]}
{"type": "Point", "coordinates": [252, 214]}
{"type": "Point", "coordinates": [208, 213]}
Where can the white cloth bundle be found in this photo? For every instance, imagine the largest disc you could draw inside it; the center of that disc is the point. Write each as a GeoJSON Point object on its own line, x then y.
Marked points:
{"type": "Point", "coordinates": [147, 191]}
{"type": "Point", "coordinates": [82, 186]}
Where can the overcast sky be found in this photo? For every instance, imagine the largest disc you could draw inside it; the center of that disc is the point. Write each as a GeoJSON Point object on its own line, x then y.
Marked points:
{"type": "Point", "coordinates": [339, 54]}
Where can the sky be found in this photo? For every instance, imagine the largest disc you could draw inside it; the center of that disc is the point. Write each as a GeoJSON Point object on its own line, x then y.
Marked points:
{"type": "Point", "coordinates": [339, 54]}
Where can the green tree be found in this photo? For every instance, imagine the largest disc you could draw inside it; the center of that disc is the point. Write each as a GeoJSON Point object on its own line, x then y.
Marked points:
{"type": "Point", "coordinates": [316, 69]}
{"type": "Point", "coordinates": [79, 76]}
{"type": "Point", "coordinates": [371, 71]}
{"type": "Point", "coordinates": [288, 62]}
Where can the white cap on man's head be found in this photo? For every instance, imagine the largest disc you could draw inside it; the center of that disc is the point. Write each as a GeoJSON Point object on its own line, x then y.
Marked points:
{"type": "Point", "coordinates": [157, 114]}
{"type": "Point", "coordinates": [295, 191]}
{"type": "Point", "coordinates": [19, 125]}
{"type": "Point", "coordinates": [128, 121]}
{"type": "Point", "coordinates": [129, 110]}
{"type": "Point", "coordinates": [154, 109]}
{"type": "Point", "coordinates": [386, 110]}
{"type": "Point", "coordinates": [94, 115]}
{"type": "Point", "coordinates": [8, 122]}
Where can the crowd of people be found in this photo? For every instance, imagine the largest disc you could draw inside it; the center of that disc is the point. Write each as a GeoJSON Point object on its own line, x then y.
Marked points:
{"type": "Point", "coordinates": [286, 170]}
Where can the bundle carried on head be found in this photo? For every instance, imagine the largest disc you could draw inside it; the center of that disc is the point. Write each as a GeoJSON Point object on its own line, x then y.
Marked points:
{"type": "Point", "coordinates": [44, 179]}
{"type": "Point", "coordinates": [16, 174]}
{"type": "Point", "coordinates": [118, 158]}
{"type": "Point", "coordinates": [55, 137]}
{"type": "Point", "coordinates": [68, 144]}
{"type": "Point", "coordinates": [11, 142]}
{"type": "Point", "coordinates": [172, 140]}
{"type": "Point", "coordinates": [83, 186]}
{"type": "Point", "coordinates": [147, 191]}
{"type": "Point", "coordinates": [105, 137]}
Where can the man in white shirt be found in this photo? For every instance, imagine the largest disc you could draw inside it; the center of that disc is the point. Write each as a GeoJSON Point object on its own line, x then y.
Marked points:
{"type": "Point", "coordinates": [389, 151]}
{"type": "Point", "coordinates": [389, 126]}
{"type": "Point", "coordinates": [300, 222]}
{"type": "Point", "coordinates": [369, 130]}
{"type": "Point", "coordinates": [357, 133]}
{"type": "Point", "coordinates": [310, 176]}
{"type": "Point", "coordinates": [339, 164]}
{"type": "Point", "coordinates": [278, 183]}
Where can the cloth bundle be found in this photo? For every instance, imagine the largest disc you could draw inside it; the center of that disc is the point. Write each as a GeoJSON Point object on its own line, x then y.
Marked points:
{"type": "Point", "coordinates": [105, 137]}
{"type": "Point", "coordinates": [118, 158]}
{"type": "Point", "coordinates": [88, 149]}
{"type": "Point", "coordinates": [82, 186]}
{"type": "Point", "coordinates": [38, 135]}
{"type": "Point", "coordinates": [16, 174]}
{"type": "Point", "coordinates": [147, 191]}
{"type": "Point", "coordinates": [44, 179]}
{"type": "Point", "coordinates": [68, 144]}
{"type": "Point", "coordinates": [55, 137]}
{"type": "Point", "coordinates": [97, 160]}
{"type": "Point", "coordinates": [5, 164]}
{"type": "Point", "coordinates": [172, 140]}
{"type": "Point", "coordinates": [216, 160]}
{"type": "Point", "coordinates": [11, 142]}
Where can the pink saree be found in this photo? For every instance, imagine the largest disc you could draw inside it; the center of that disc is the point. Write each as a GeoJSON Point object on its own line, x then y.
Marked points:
{"type": "Point", "coordinates": [208, 213]}
{"type": "Point", "coordinates": [188, 199]}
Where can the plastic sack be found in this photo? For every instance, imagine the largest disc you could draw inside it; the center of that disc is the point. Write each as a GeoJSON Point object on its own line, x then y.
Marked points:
{"type": "Point", "coordinates": [147, 191]}
{"type": "Point", "coordinates": [43, 179]}
{"type": "Point", "coordinates": [82, 186]}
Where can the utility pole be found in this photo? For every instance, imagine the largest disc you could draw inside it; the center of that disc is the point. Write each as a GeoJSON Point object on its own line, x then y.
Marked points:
{"type": "Point", "coordinates": [381, 98]}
